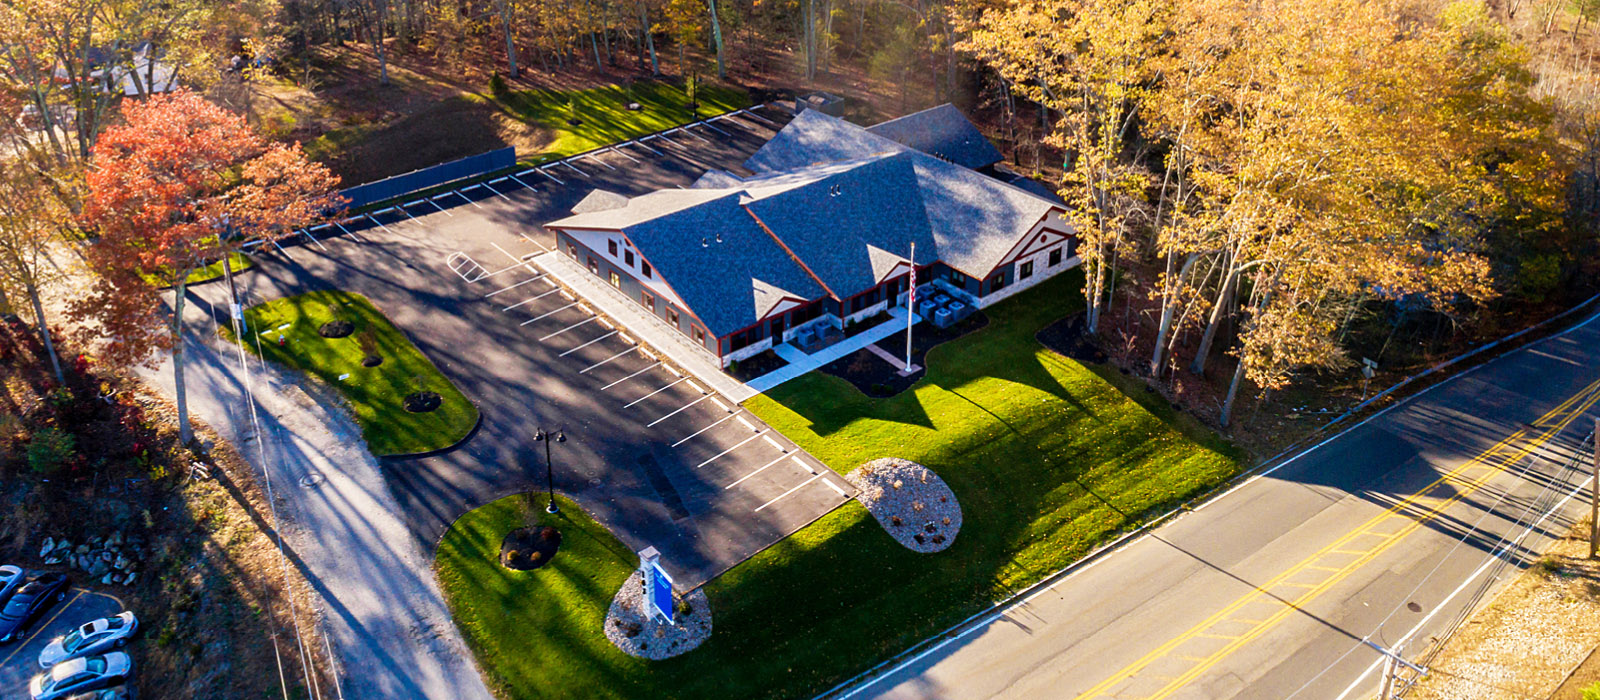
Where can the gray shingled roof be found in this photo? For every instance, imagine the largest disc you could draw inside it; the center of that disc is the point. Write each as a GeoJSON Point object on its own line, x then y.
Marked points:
{"type": "Point", "coordinates": [813, 138]}
{"type": "Point", "coordinates": [943, 132]}
{"type": "Point", "coordinates": [830, 222]}
{"type": "Point", "coordinates": [975, 218]}
{"type": "Point", "coordinates": [595, 210]}
{"type": "Point", "coordinates": [728, 283]}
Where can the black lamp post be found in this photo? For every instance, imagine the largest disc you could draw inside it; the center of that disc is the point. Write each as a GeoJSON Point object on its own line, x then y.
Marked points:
{"type": "Point", "coordinates": [546, 437]}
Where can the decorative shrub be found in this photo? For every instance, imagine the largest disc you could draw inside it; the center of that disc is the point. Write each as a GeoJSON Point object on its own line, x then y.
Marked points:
{"type": "Point", "coordinates": [49, 449]}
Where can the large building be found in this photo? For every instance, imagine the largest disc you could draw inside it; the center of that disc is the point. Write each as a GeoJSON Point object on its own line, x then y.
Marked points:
{"type": "Point", "coordinates": [821, 231]}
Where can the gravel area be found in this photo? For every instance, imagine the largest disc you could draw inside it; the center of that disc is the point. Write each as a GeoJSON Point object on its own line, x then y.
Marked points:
{"type": "Point", "coordinates": [1524, 644]}
{"type": "Point", "coordinates": [633, 633]}
{"type": "Point", "coordinates": [910, 501]}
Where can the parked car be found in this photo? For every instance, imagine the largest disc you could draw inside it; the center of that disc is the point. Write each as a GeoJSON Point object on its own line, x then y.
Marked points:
{"type": "Point", "coordinates": [30, 601]}
{"type": "Point", "coordinates": [116, 692]}
{"type": "Point", "coordinates": [75, 676]}
{"type": "Point", "coordinates": [11, 578]}
{"type": "Point", "coordinates": [91, 637]}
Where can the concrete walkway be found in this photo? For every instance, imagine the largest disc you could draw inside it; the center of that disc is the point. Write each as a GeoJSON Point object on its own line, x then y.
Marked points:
{"type": "Point", "coordinates": [385, 617]}
{"type": "Point", "coordinates": [801, 363]}
{"type": "Point", "coordinates": [660, 338]}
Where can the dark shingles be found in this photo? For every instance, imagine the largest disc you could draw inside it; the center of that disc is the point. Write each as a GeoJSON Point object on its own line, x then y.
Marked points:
{"type": "Point", "coordinates": [722, 282]}
{"type": "Point", "coordinates": [813, 138]}
{"type": "Point", "coordinates": [943, 132]}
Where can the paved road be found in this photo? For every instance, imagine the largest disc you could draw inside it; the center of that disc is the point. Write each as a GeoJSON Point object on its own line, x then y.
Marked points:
{"type": "Point", "coordinates": [650, 453]}
{"type": "Point", "coordinates": [1385, 533]}
{"type": "Point", "coordinates": [19, 662]}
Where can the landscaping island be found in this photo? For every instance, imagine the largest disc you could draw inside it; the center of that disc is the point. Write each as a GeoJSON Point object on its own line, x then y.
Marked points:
{"type": "Point", "coordinates": [583, 120]}
{"type": "Point", "coordinates": [1048, 461]}
{"type": "Point", "coordinates": [399, 398]}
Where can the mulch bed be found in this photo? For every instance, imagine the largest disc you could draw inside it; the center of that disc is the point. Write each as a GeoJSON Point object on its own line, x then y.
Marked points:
{"type": "Point", "coordinates": [423, 402]}
{"type": "Point", "coordinates": [527, 548]}
{"type": "Point", "coordinates": [336, 329]}
{"type": "Point", "coordinates": [1067, 337]}
{"type": "Point", "coordinates": [879, 379]}
{"type": "Point", "coordinates": [756, 365]}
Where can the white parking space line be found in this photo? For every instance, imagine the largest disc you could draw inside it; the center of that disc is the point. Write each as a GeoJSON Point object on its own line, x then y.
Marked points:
{"type": "Point", "coordinates": [654, 365]}
{"type": "Point", "coordinates": [607, 360]}
{"type": "Point", "coordinates": [547, 314]}
{"type": "Point", "coordinates": [624, 155]}
{"type": "Point", "coordinates": [698, 432]}
{"type": "Point", "coordinates": [785, 494]}
{"type": "Point", "coordinates": [535, 243]}
{"type": "Point", "coordinates": [696, 387]}
{"type": "Point", "coordinates": [436, 206]}
{"type": "Point", "coordinates": [663, 137]}
{"type": "Point", "coordinates": [380, 223]}
{"type": "Point", "coordinates": [592, 342]}
{"type": "Point", "coordinates": [680, 409]}
{"type": "Point", "coordinates": [748, 113]}
{"type": "Point", "coordinates": [590, 319]}
{"type": "Point", "coordinates": [307, 232]}
{"type": "Point", "coordinates": [545, 173]}
{"type": "Point", "coordinates": [524, 184]}
{"type": "Point", "coordinates": [348, 232]}
{"type": "Point", "coordinates": [594, 157]}
{"type": "Point", "coordinates": [746, 423]}
{"type": "Point", "coordinates": [532, 299]}
{"type": "Point", "coordinates": [775, 445]}
{"type": "Point", "coordinates": [707, 124]}
{"type": "Point", "coordinates": [835, 488]}
{"type": "Point", "coordinates": [574, 168]}
{"type": "Point", "coordinates": [497, 192]}
{"type": "Point", "coordinates": [721, 405]}
{"type": "Point", "coordinates": [757, 471]}
{"type": "Point", "coordinates": [724, 453]}
{"type": "Point", "coordinates": [530, 280]}
{"type": "Point", "coordinates": [523, 260]}
{"type": "Point", "coordinates": [691, 133]}
{"type": "Point", "coordinates": [657, 391]}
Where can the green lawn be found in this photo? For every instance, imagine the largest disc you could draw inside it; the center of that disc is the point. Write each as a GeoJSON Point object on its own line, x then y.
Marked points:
{"type": "Point", "coordinates": [210, 272]}
{"type": "Point", "coordinates": [1047, 458]}
{"type": "Point", "coordinates": [375, 394]}
{"type": "Point", "coordinates": [604, 116]}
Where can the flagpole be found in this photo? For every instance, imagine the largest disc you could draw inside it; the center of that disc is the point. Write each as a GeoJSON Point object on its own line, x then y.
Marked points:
{"type": "Point", "coordinates": [911, 304]}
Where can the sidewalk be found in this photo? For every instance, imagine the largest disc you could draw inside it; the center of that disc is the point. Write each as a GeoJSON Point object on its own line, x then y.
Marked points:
{"type": "Point", "coordinates": [645, 327]}
{"type": "Point", "coordinates": [384, 614]}
{"type": "Point", "coordinates": [801, 363]}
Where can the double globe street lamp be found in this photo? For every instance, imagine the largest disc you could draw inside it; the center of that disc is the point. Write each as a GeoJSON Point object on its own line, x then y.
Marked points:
{"type": "Point", "coordinates": [547, 437]}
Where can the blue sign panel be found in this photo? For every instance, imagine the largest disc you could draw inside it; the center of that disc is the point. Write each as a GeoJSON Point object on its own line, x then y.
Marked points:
{"type": "Point", "coordinates": [659, 591]}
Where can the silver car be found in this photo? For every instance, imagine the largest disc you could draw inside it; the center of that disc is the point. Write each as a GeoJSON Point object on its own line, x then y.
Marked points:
{"type": "Point", "coordinates": [75, 676]}
{"type": "Point", "coordinates": [11, 578]}
{"type": "Point", "coordinates": [116, 692]}
{"type": "Point", "coordinates": [91, 637]}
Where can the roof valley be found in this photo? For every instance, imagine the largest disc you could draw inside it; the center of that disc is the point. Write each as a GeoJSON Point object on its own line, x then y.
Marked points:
{"type": "Point", "coordinates": [789, 251]}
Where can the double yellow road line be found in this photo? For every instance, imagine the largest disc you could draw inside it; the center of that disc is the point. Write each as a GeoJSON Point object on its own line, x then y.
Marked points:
{"type": "Point", "coordinates": [1186, 657]}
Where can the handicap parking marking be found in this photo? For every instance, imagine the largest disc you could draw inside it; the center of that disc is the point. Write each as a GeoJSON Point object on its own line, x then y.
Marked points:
{"type": "Point", "coordinates": [588, 320]}
{"type": "Point", "coordinates": [657, 391]}
{"type": "Point", "coordinates": [465, 267]}
{"type": "Point", "coordinates": [534, 298]}
{"type": "Point", "coordinates": [550, 313]}
{"type": "Point", "coordinates": [652, 366]}
{"type": "Point", "coordinates": [725, 453]}
{"type": "Point", "coordinates": [592, 342]}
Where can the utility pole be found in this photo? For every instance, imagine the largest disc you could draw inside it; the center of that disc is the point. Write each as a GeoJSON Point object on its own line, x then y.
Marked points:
{"type": "Point", "coordinates": [1386, 691]}
{"type": "Point", "coordinates": [1594, 492]}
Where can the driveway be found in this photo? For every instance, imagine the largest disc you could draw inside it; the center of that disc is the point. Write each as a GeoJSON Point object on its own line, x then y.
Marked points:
{"type": "Point", "coordinates": [19, 663]}
{"type": "Point", "coordinates": [660, 458]}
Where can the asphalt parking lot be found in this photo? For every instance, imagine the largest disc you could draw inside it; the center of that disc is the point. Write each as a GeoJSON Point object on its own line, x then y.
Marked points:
{"type": "Point", "coordinates": [656, 456]}
{"type": "Point", "coordinates": [19, 663]}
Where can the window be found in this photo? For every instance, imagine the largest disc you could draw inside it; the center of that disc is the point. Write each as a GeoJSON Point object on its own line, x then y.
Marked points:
{"type": "Point", "coordinates": [645, 268]}
{"type": "Point", "coordinates": [616, 280]}
{"type": "Point", "coordinates": [627, 257]}
{"type": "Point", "coordinates": [1025, 271]}
{"type": "Point", "coordinates": [672, 317]}
{"type": "Point", "coordinates": [593, 266]}
{"type": "Point", "coordinates": [611, 246]}
{"type": "Point", "coordinates": [1055, 257]}
{"type": "Point", "coordinates": [997, 283]}
{"type": "Point", "coordinates": [699, 335]}
{"type": "Point", "coordinates": [648, 301]}
{"type": "Point", "coordinates": [572, 250]}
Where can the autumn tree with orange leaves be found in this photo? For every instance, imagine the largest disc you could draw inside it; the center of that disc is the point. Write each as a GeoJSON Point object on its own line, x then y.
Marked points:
{"type": "Point", "coordinates": [180, 183]}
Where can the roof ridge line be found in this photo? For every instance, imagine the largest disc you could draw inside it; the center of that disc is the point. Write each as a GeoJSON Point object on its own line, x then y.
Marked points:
{"type": "Point", "coordinates": [790, 252]}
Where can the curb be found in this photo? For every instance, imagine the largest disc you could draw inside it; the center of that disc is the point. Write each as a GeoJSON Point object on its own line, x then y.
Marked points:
{"type": "Point", "coordinates": [404, 456]}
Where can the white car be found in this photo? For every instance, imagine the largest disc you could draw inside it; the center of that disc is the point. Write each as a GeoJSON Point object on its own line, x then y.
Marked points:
{"type": "Point", "coordinates": [81, 674]}
{"type": "Point", "coordinates": [91, 637]}
{"type": "Point", "coordinates": [11, 578]}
